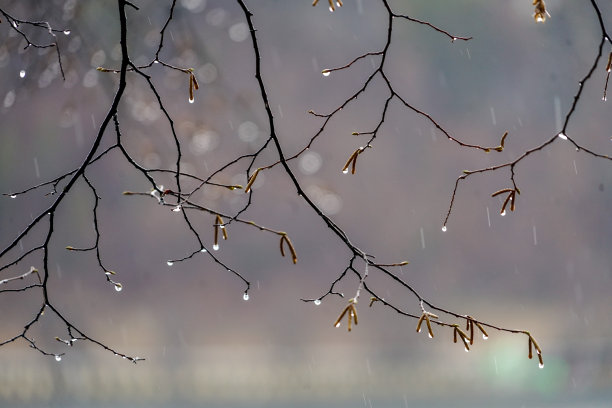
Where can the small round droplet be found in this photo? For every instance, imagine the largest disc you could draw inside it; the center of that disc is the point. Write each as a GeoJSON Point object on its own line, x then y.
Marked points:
{"type": "Point", "coordinates": [338, 324]}
{"type": "Point", "coordinates": [444, 228]}
{"type": "Point", "coordinates": [541, 365]}
{"type": "Point", "coordinates": [66, 32]}
{"type": "Point", "coordinates": [22, 73]}
{"type": "Point", "coordinates": [245, 296]}
{"type": "Point", "coordinates": [118, 287]}
{"type": "Point", "coordinates": [503, 213]}
{"type": "Point", "coordinates": [485, 337]}
{"type": "Point", "coordinates": [58, 357]}
{"type": "Point", "coordinates": [345, 171]}
{"type": "Point", "coordinates": [177, 208]}
{"type": "Point", "coordinates": [169, 263]}
{"type": "Point", "coordinates": [429, 335]}
{"type": "Point", "coordinates": [331, 9]}
{"type": "Point", "coordinates": [191, 100]}
{"type": "Point", "coordinates": [467, 350]}
{"type": "Point", "coordinates": [13, 195]}
{"type": "Point", "coordinates": [562, 136]}
{"type": "Point", "coordinates": [317, 302]}
{"type": "Point", "coordinates": [215, 247]}
{"type": "Point", "coordinates": [326, 72]}
{"type": "Point", "coordinates": [203, 250]}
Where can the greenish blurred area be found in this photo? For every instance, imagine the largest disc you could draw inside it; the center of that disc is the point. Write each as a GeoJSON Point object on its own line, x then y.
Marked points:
{"type": "Point", "coordinates": [545, 268]}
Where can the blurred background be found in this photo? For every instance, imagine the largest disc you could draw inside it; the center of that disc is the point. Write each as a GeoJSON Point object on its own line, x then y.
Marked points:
{"type": "Point", "coordinates": [544, 268]}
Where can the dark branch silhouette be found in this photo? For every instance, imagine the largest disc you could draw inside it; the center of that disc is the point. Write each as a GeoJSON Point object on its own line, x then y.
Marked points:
{"type": "Point", "coordinates": [361, 262]}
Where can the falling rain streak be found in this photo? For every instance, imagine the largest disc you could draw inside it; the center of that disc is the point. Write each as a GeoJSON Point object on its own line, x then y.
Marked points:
{"type": "Point", "coordinates": [488, 217]}
{"type": "Point", "coordinates": [422, 238]}
{"type": "Point", "coordinates": [535, 236]}
{"type": "Point", "coordinates": [36, 168]}
{"type": "Point", "coordinates": [558, 122]}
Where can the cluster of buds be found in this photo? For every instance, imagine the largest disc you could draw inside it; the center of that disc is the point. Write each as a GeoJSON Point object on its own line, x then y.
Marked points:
{"type": "Point", "coordinates": [534, 344]}
{"type": "Point", "coordinates": [510, 198]}
{"type": "Point", "coordinates": [193, 85]}
{"type": "Point", "coordinates": [219, 225]}
{"type": "Point", "coordinates": [285, 240]}
{"type": "Point", "coordinates": [426, 316]}
{"type": "Point", "coordinates": [351, 312]}
{"type": "Point", "coordinates": [352, 161]}
{"type": "Point", "coordinates": [540, 12]}
{"type": "Point", "coordinates": [331, 4]}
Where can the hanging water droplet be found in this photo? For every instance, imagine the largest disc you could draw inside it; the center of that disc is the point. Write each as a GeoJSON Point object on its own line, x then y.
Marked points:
{"type": "Point", "coordinates": [191, 100]}
{"type": "Point", "coordinates": [203, 250]}
{"type": "Point", "coordinates": [245, 296]}
{"type": "Point", "coordinates": [177, 208]}
{"type": "Point", "coordinates": [169, 263]}
{"type": "Point", "coordinates": [467, 350]}
{"type": "Point", "coordinates": [13, 195]}
{"type": "Point", "coordinates": [503, 213]}
{"type": "Point", "coordinates": [215, 247]}
{"type": "Point", "coordinates": [317, 302]}
{"type": "Point", "coordinates": [118, 287]}
{"type": "Point", "coordinates": [326, 72]}
{"type": "Point", "coordinates": [541, 365]}
{"type": "Point", "coordinates": [22, 73]}
{"type": "Point", "coordinates": [331, 9]}
{"type": "Point", "coordinates": [338, 324]}
{"type": "Point", "coordinates": [58, 357]}
{"type": "Point", "coordinates": [66, 32]}
{"type": "Point", "coordinates": [444, 228]}
{"type": "Point", "coordinates": [429, 335]}
{"type": "Point", "coordinates": [562, 136]}
{"type": "Point", "coordinates": [485, 337]}
{"type": "Point", "coordinates": [345, 171]}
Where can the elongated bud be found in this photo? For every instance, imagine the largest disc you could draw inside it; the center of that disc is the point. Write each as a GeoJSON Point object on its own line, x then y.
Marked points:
{"type": "Point", "coordinates": [502, 191]}
{"type": "Point", "coordinates": [251, 180]}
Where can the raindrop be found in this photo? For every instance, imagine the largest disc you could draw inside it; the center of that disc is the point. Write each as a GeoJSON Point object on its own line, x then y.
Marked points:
{"type": "Point", "coordinates": [66, 32]}
{"type": "Point", "coordinates": [562, 136]}
{"type": "Point", "coordinates": [503, 213]}
{"type": "Point", "coordinates": [245, 296]}
{"type": "Point", "coordinates": [215, 247]}
{"type": "Point", "coordinates": [429, 335]}
{"type": "Point", "coordinates": [331, 10]}
{"type": "Point", "coordinates": [191, 100]}
{"type": "Point", "coordinates": [541, 365]}
{"type": "Point", "coordinates": [170, 263]}
{"type": "Point", "coordinates": [177, 208]}
{"type": "Point", "coordinates": [317, 302]}
{"type": "Point", "coordinates": [58, 357]}
{"type": "Point", "coordinates": [22, 73]}
{"type": "Point", "coordinates": [118, 287]}
{"type": "Point", "coordinates": [345, 171]}
{"type": "Point", "coordinates": [338, 324]}
{"type": "Point", "coordinates": [444, 228]}
{"type": "Point", "coordinates": [13, 195]}
{"type": "Point", "coordinates": [203, 250]}
{"type": "Point", "coordinates": [467, 350]}
{"type": "Point", "coordinates": [485, 337]}
{"type": "Point", "coordinates": [326, 72]}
